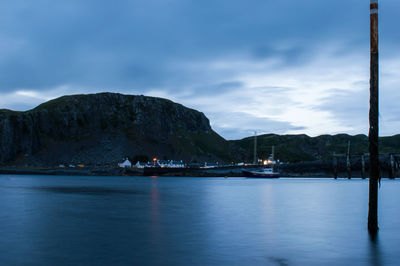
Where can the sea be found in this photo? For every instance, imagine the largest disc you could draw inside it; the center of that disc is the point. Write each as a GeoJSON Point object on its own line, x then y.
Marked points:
{"type": "Point", "coordinates": [97, 220]}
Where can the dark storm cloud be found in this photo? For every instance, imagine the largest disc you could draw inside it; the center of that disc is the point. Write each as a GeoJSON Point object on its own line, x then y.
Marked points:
{"type": "Point", "coordinates": [174, 46]}
{"type": "Point", "coordinates": [138, 43]}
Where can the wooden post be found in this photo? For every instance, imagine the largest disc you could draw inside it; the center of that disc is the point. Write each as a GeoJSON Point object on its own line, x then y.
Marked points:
{"type": "Point", "coordinates": [348, 163]}
{"type": "Point", "coordinates": [373, 120]}
{"type": "Point", "coordinates": [391, 167]}
{"type": "Point", "coordinates": [255, 148]}
{"type": "Point", "coordinates": [363, 166]}
{"type": "Point", "coordinates": [334, 164]}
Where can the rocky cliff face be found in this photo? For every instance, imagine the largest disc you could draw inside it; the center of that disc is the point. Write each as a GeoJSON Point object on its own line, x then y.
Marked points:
{"type": "Point", "coordinates": [103, 128]}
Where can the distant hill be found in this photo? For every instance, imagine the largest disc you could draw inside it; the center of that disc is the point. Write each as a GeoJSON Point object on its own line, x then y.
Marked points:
{"type": "Point", "coordinates": [104, 128]}
{"type": "Point", "coordinates": [296, 148]}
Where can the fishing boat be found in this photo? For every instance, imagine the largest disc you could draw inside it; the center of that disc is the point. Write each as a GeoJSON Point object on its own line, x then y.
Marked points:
{"type": "Point", "coordinates": [268, 170]}
{"type": "Point", "coordinates": [263, 172]}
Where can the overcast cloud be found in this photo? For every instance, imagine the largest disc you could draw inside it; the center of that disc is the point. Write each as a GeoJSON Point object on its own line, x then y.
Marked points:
{"type": "Point", "coordinates": [267, 66]}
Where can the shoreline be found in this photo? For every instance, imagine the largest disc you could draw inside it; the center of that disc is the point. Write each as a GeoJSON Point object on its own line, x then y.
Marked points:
{"type": "Point", "coordinates": [177, 172]}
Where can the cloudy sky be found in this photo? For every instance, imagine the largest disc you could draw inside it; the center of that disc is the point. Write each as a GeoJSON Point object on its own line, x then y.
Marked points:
{"type": "Point", "coordinates": [269, 66]}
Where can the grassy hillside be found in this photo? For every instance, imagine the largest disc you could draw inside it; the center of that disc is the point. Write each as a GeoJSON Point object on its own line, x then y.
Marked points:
{"type": "Point", "coordinates": [295, 148]}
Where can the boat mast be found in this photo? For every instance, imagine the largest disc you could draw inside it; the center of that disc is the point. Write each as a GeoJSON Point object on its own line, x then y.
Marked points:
{"type": "Point", "coordinates": [273, 152]}
{"type": "Point", "coordinates": [255, 147]}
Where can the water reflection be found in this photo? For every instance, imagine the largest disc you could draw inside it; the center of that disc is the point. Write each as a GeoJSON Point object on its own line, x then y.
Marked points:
{"type": "Point", "coordinates": [91, 190]}
{"type": "Point", "coordinates": [375, 250]}
{"type": "Point", "coordinates": [279, 261]}
{"type": "Point", "coordinates": [193, 221]}
{"type": "Point", "coordinates": [156, 233]}
{"type": "Point", "coordinates": [155, 211]}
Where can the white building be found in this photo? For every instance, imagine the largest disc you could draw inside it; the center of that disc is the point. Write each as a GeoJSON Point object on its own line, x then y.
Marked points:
{"type": "Point", "coordinates": [126, 163]}
{"type": "Point", "coordinates": [138, 165]}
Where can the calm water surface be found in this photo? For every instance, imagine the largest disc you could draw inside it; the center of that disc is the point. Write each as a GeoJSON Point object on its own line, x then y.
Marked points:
{"type": "Point", "coordinates": [60, 220]}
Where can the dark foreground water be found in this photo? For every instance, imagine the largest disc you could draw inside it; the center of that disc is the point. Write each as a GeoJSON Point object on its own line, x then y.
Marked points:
{"type": "Point", "coordinates": [58, 220]}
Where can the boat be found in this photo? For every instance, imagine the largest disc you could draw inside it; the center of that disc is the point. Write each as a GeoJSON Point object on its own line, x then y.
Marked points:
{"type": "Point", "coordinates": [268, 170]}
{"type": "Point", "coordinates": [263, 173]}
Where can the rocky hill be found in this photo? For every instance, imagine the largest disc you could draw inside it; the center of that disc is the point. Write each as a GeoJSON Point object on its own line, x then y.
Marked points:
{"type": "Point", "coordinates": [100, 129]}
{"type": "Point", "coordinates": [297, 148]}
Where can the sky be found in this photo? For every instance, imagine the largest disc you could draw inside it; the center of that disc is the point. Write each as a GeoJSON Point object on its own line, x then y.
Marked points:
{"type": "Point", "coordinates": [284, 67]}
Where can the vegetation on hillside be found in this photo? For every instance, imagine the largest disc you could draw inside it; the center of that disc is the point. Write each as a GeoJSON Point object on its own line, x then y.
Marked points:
{"type": "Point", "coordinates": [296, 148]}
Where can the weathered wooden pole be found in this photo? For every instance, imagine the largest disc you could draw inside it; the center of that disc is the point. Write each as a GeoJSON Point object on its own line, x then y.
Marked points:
{"type": "Point", "coordinates": [348, 163]}
{"type": "Point", "coordinates": [255, 148]}
{"type": "Point", "coordinates": [373, 120]}
{"type": "Point", "coordinates": [391, 170]}
{"type": "Point", "coordinates": [363, 166]}
{"type": "Point", "coordinates": [334, 163]}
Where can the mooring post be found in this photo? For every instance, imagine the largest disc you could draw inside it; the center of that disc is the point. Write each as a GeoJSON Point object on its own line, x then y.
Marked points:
{"type": "Point", "coordinates": [373, 120]}
{"type": "Point", "coordinates": [334, 164]}
{"type": "Point", "coordinates": [348, 167]}
{"type": "Point", "coordinates": [363, 166]}
{"type": "Point", "coordinates": [348, 163]}
{"type": "Point", "coordinates": [391, 170]}
{"type": "Point", "coordinates": [255, 148]}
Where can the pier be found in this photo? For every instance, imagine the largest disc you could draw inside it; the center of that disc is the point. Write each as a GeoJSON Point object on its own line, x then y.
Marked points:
{"type": "Point", "coordinates": [357, 165]}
